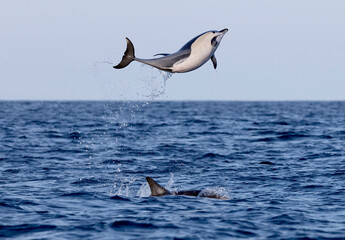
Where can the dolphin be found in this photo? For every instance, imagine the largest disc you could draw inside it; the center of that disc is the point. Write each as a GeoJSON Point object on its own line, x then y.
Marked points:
{"type": "Point", "coordinates": [157, 191]}
{"type": "Point", "coordinates": [191, 56]}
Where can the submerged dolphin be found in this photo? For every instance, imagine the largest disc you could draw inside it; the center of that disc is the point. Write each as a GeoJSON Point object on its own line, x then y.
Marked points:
{"type": "Point", "coordinates": [157, 191]}
{"type": "Point", "coordinates": [191, 56]}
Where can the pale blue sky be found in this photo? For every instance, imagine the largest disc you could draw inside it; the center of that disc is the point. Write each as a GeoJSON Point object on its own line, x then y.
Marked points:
{"type": "Point", "coordinates": [274, 50]}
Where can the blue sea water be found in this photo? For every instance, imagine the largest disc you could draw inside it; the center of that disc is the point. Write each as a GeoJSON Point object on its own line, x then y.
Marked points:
{"type": "Point", "coordinates": [76, 170]}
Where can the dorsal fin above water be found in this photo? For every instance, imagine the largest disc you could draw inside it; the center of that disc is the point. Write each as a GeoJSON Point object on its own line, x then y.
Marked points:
{"type": "Point", "coordinates": [156, 189]}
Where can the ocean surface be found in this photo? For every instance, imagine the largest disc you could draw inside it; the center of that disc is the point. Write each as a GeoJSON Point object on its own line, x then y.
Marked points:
{"type": "Point", "coordinates": [76, 170]}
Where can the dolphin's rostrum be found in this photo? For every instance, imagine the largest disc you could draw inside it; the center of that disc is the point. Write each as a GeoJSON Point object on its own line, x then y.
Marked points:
{"type": "Point", "coordinates": [157, 191]}
{"type": "Point", "coordinates": [191, 56]}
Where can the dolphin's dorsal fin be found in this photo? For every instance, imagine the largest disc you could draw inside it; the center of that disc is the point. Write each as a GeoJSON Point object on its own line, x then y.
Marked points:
{"type": "Point", "coordinates": [214, 61]}
{"type": "Point", "coordinates": [163, 54]}
{"type": "Point", "coordinates": [156, 189]}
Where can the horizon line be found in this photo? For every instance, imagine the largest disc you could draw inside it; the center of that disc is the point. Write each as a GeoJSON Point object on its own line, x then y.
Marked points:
{"type": "Point", "coordinates": [169, 100]}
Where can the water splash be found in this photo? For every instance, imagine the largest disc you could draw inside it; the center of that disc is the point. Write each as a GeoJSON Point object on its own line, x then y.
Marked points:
{"type": "Point", "coordinates": [171, 183]}
{"type": "Point", "coordinates": [142, 83]}
{"type": "Point", "coordinates": [218, 192]}
{"type": "Point", "coordinates": [126, 187]}
{"type": "Point", "coordinates": [155, 82]}
{"type": "Point", "coordinates": [144, 190]}
{"type": "Point", "coordinates": [146, 84]}
{"type": "Point", "coordinates": [122, 186]}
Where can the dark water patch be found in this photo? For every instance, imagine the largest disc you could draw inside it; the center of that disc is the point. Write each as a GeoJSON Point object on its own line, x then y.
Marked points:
{"type": "Point", "coordinates": [87, 181]}
{"type": "Point", "coordinates": [168, 226]}
{"type": "Point", "coordinates": [38, 123]}
{"type": "Point", "coordinates": [118, 135]}
{"type": "Point", "coordinates": [11, 171]}
{"type": "Point", "coordinates": [214, 128]}
{"type": "Point", "coordinates": [53, 134]}
{"type": "Point", "coordinates": [27, 202]}
{"type": "Point", "coordinates": [5, 205]}
{"type": "Point", "coordinates": [267, 163]}
{"type": "Point", "coordinates": [281, 136]}
{"type": "Point", "coordinates": [66, 150]}
{"type": "Point", "coordinates": [325, 137]}
{"type": "Point", "coordinates": [322, 155]}
{"type": "Point", "coordinates": [28, 157]}
{"type": "Point", "coordinates": [275, 202]}
{"type": "Point", "coordinates": [290, 136]}
{"type": "Point", "coordinates": [42, 212]}
{"type": "Point", "coordinates": [76, 194]}
{"type": "Point", "coordinates": [176, 149]}
{"type": "Point", "coordinates": [339, 172]}
{"type": "Point", "coordinates": [283, 219]}
{"type": "Point", "coordinates": [211, 155]}
{"type": "Point", "coordinates": [266, 132]}
{"type": "Point", "coordinates": [312, 186]}
{"type": "Point", "coordinates": [75, 135]}
{"type": "Point", "coordinates": [131, 224]}
{"type": "Point", "coordinates": [340, 132]}
{"type": "Point", "coordinates": [119, 198]}
{"type": "Point", "coordinates": [160, 125]}
{"type": "Point", "coordinates": [167, 147]}
{"type": "Point", "coordinates": [245, 233]}
{"type": "Point", "coordinates": [96, 227]}
{"type": "Point", "coordinates": [137, 125]}
{"type": "Point", "coordinates": [282, 123]}
{"type": "Point", "coordinates": [17, 230]}
{"type": "Point", "coordinates": [266, 139]}
{"type": "Point", "coordinates": [195, 121]}
{"type": "Point", "coordinates": [9, 206]}
{"type": "Point", "coordinates": [111, 162]}
{"type": "Point", "coordinates": [210, 133]}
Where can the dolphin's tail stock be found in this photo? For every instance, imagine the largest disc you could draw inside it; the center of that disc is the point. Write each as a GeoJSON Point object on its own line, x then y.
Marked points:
{"type": "Point", "coordinates": [156, 189]}
{"type": "Point", "coordinates": [128, 56]}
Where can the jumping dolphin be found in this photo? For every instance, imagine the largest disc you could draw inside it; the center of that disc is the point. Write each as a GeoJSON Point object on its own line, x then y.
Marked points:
{"type": "Point", "coordinates": [157, 191]}
{"type": "Point", "coordinates": [191, 56]}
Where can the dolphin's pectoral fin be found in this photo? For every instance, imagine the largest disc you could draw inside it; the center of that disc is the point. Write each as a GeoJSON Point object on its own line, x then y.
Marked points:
{"type": "Point", "coordinates": [214, 61]}
{"type": "Point", "coordinates": [156, 189]}
{"type": "Point", "coordinates": [163, 54]}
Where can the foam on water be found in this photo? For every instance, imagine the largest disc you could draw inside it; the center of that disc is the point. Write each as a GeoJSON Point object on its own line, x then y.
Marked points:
{"type": "Point", "coordinates": [219, 192]}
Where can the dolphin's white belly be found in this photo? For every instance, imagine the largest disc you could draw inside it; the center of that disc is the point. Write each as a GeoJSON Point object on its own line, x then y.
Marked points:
{"type": "Point", "coordinates": [201, 51]}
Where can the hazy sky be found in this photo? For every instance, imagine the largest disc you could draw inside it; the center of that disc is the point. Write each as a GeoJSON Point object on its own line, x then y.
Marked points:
{"type": "Point", "coordinates": [274, 50]}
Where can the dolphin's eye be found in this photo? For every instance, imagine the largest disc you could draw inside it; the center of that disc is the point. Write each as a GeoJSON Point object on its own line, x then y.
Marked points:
{"type": "Point", "coordinates": [214, 41]}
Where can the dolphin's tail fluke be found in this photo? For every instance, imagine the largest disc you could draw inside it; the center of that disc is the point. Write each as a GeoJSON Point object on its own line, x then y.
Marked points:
{"type": "Point", "coordinates": [128, 56]}
{"type": "Point", "coordinates": [156, 189]}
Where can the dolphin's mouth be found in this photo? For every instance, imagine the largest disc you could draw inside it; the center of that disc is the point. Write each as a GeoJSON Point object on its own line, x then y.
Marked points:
{"type": "Point", "coordinates": [221, 34]}
{"type": "Point", "coordinates": [225, 30]}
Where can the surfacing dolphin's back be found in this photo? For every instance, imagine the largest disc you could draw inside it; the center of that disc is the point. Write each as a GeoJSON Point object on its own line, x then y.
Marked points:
{"type": "Point", "coordinates": [157, 191]}
{"type": "Point", "coordinates": [190, 57]}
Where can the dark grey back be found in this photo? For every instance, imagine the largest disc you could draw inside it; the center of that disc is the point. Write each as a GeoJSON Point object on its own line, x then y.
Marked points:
{"type": "Point", "coordinates": [166, 62]}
